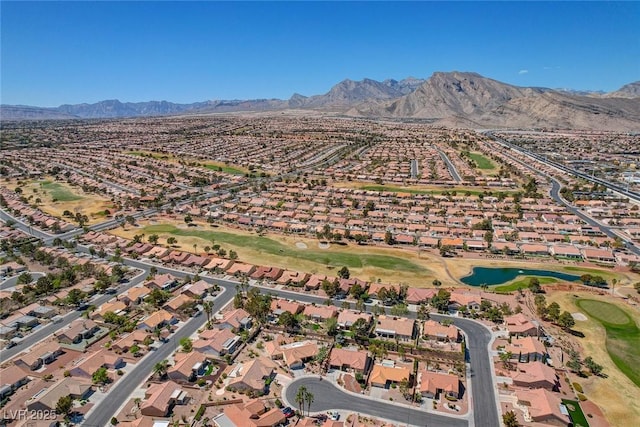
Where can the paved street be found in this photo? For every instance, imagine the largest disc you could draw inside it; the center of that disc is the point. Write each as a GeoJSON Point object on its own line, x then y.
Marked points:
{"type": "Point", "coordinates": [450, 166]}
{"type": "Point", "coordinates": [327, 397]}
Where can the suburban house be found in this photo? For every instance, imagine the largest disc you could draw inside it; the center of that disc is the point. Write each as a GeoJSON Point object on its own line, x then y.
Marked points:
{"type": "Point", "coordinates": [176, 303]}
{"type": "Point", "coordinates": [346, 318]}
{"type": "Point", "coordinates": [253, 375]}
{"type": "Point", "coordinates": [48, 399]}
{"type": "Point", "coordinates": [116, 307]}
{"type": "Point", "coordinates": [135, 295]}
{"type": "Point", "coordinates": [40, 354]}
{"type": "Point", "coordinates": [543, 406]}
{"type": "Point", "coordinates": [349, 360]}
{"type": "Point", "coordinates": [279, 306]}
{"type": "Point", "coordinates": [159, 399]}
{"type": "Point", "coordinates": [296, 354]}
{"type": "Point", "coordinates": [433, 384]}
{"type": "Point", "coordinates": [188, 367]}
{"type": "Point", "coordinates": [217, 342]}
{"type": "Point", "coordinates": [136, 337]}
{"type": "Point", "coordinates": [535, 375]}
{"type": "Point", "coordinates": [77, 331]}
{"type": "Point", "coordinates": [520, 325]}
{"type": "Point", "coordinates": [159, 319]}
{"type": "Point", "coordinates": [319, 313]}
{"type": "Point", "coordinates": [439, 332]}
{"type": "Point", "coordinates": [527, 349]}
{"type": "Point", "coordinates": [11, 379]}
{"type": "Point", "coordinates": [420, 295]}
{"type": "Point", "coordinates": [399, 328]}
{"type": "Point", "coordinates": [250, 414]}
{"type": "Point", "coordinates": [197, 289]}
{"type": "Point", "coordinates": [91, 362]}
{"type": "Point", "coordinates": [162, 281]}
{"type": "Point", "coordinates": [267, 273]}
{"type": "Point", "coordinates": [237, 320]}
{"type": "Point", "coordinates": [464, 300]}
{"type": "Point", "coordinates": [385, 376]}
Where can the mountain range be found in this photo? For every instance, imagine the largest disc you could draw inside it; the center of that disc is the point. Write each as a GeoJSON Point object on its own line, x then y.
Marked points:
{"type": "Point", "coordinates": [449, 98]}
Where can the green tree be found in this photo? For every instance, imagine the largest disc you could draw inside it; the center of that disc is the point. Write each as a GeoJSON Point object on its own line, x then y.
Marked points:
{"type": "Point", "coordinates": [505, 358]}
{"type": "Point", "coordinates": [288, 321]}
{"type": "Point", "coordinates": [301, 396]}
{"type": "Point", "coordinates": [25, 278]}
{"type": "Point", "coordinates": [566, 320]}
{"type": "Point", "coordinates": [172, 241]}
{"type": "Point", "coordinates": [153, 239]}
{"type": "Point", "coordinates": [510, 419]}
{"type": "Point", "coordinates": [534, 285]}
{"type": "Point", "coordinates": [331, 325]}
{"type": "Point", "coordinates": [360, 330]}
{"type": "Point", "coordinates": [64, 405]}
{"type": "Point", "coordinates": [344, 273]}
{"type": "Point", "coordinates": [258, 305]}
{"type": "Point", "coordinates": [595, 368]}
{"type": "Point", "coordinates": [423, 312]}
{"type": "Point", "coordinates": [441, 300]}
{"type": "Point", "coordinates": [186, 344]}
{"type": "Point", "coordinates": [331, 288]}
{"type": "Point", "coordinates": [160, 368]}
{"type": "Point", "coordinates": [357, 291]}
{"type": "Point", "coordinates": [388, 238]}
{"type": "Point", "coordinates": [100, 376]}
{"type": "Point", "coordinates": [553, 311]}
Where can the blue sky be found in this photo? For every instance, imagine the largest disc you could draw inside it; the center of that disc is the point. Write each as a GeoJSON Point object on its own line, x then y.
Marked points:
{"type": "Point", "coordinates": [54, 53]}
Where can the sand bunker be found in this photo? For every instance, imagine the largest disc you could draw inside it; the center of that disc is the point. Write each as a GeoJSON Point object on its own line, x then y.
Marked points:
{"type": "Point", "coordinates": [323, 245]}
{"type": "Point", "coordinates": [579, 316]}
{"type": "Point", "coordinates": [301, 245]}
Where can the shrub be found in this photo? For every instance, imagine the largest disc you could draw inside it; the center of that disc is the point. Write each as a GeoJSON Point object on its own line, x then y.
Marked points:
{"type": "Point", "coordinates": [200, 412]}
{"type": "Point", "coordinates": [577, 387]}
{"type": "Point", "coordinates": [278, 403]}
{"type": "Point", "coordinates": [582, 397]}
{"type": "Point", "coordinates": [114, 421]}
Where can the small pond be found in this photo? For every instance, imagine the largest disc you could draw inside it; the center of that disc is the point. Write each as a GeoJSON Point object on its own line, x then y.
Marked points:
{"type": "Point", "coordinates": [497, 276]}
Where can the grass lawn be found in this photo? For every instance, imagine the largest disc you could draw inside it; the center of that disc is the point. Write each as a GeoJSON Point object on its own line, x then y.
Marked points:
{"type": "Point", "coordinates": [473, 191]}
{"type": "Point", "coordinates": [57, 197]}
{"type": "Point", "coordinates": [606, 274]}
{"type": "Point", "coordinates": [215, 166]}
{"type": "Point", "coordinates": [59, 192]}
{"type": "Point", "coordinates": [523, 283]}
{"type": "Point", "coordinates": [266, 245]}
{"type": "Point", "coordinates": [623, 335]}
{"type": "Point", "coordinates": [577, 416]}
{"type": "Point", "coordinates": [482, 162]}
{"type": "Point", "coordinates": [224, 168]}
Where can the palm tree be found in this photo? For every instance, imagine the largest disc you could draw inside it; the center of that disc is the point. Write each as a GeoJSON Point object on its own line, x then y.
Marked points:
{"type": "Point", "coordinates": [160, 368]}
{"type": "Point", "coordinates": [301, 395]}
{"type": "Point", "coordinates": [208, 310]}
{"type": "Point", "coordinates": [308, 396]}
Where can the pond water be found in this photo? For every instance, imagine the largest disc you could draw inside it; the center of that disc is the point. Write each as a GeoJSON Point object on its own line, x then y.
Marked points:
{"type": "Point", "coordinates": [497, 276]}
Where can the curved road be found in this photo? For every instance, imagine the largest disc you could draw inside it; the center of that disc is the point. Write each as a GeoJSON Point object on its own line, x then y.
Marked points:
{"type": "Point", "coordinates": [327, 396]}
